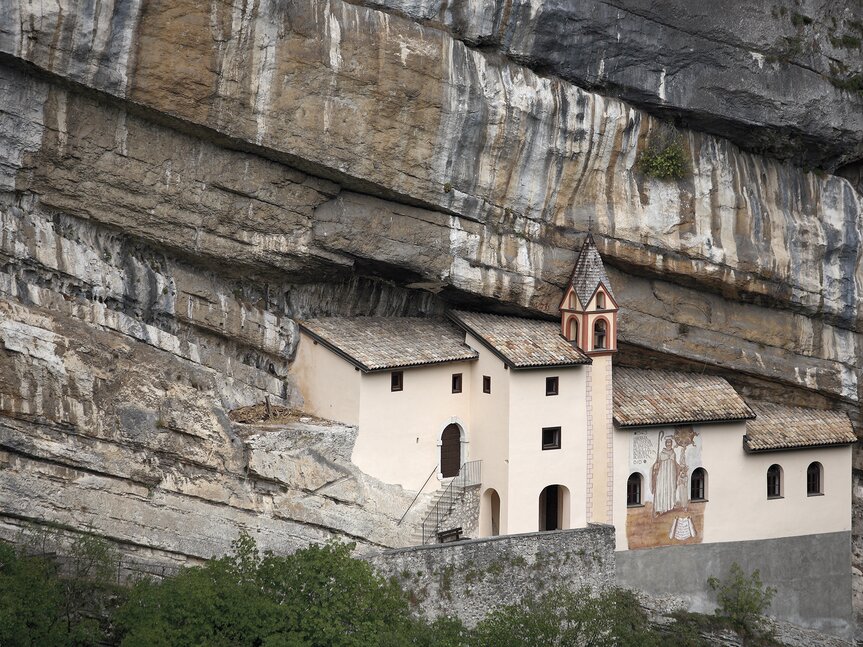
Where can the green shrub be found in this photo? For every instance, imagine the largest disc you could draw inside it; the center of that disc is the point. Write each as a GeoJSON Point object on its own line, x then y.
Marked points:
{"type": "Point", "coordinates": [742, 599]}
{"type": "Point", "coordinates": [562, 618]}
{"type": "Point", "coordinates": [319, 596]}
{"type": "Point", "coordinates": [43, 607]}
{"type": "Point", "coordinates": [664, 160]}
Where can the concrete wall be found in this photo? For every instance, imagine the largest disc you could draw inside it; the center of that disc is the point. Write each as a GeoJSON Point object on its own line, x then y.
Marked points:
{"type": "Point", "coordinates": [330, 386]}
{"type": "Point", "coordinates": [737, 507]}
{"type": "Point", "coordinates": [812, 575]}
{"type": "Point", "coordinates": [470, 578]}
{"type": "Point", "coordinates": [530, 467]}
{"type": "Point", "coordinates": [490, 431]}
{"type": "Point", "coordinates": [400, 431]}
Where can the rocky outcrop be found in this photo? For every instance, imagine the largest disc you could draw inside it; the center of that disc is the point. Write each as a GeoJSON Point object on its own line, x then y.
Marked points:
{"type": "Point", "coordinates": [116, 428]}
{"type": "Point", "coordinates": [167, 218]}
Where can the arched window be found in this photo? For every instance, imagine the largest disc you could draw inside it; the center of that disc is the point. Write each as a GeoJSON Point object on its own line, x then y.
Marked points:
{"type": "Point", "coordinates": [600, 301]}
{"type": "Point", "coordinates": [813, 479]}
{"type": "Point", "coordinates": [698, 485]}
{"type": "Point", "coordinates": [774, 482]}
{"type": "Point", "coordinates": [600, 329]}
{"type": "Point", "coordinates": [633, 489]}
{"type": "Point", "coordinates": [450, 451]}
{"type": "Point", "coordinates": [572, 330]}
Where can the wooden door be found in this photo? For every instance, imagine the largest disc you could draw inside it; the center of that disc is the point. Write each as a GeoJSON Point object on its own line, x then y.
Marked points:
{"type": "Point", "coordinates": [450, 451]}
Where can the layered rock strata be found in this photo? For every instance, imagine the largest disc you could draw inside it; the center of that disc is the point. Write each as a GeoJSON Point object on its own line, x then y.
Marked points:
{"type": "Point", "coordinates": [179, 182]}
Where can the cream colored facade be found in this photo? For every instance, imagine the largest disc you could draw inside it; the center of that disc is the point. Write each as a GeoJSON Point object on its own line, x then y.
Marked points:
{"type": "Point", "coordinates": [399, 439]}
{"type": "Point", "coordinates": [582, 478]}
{"type": "Point", "coordinates": [737, 507]}
{"type": "Point", "coordinates": [329, 384]}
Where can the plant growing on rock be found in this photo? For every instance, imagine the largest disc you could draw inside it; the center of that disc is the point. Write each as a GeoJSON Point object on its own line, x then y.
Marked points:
{"type": "Point", "coordinates": [664, 159]}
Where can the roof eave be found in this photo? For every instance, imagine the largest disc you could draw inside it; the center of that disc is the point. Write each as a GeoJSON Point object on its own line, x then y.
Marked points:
{"type": "Point", "coordinates": [791, 448]}
{"type": "Point", "coordinates": [528, 367]}
{"type": "Point", "coordinates": [437, 362]}
{"type": "Point", "coordinates": [709, 421]}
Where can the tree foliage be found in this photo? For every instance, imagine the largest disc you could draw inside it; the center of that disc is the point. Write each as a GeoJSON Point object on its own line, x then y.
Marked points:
{"type": "Point", "coordinates": [562, 618]}
{"type": "Point", "coordinates": [317, 596]}
{"type": "Point", "coordinates": [742, 598]}
{"type": "Point", "coordinates": [45, 603]}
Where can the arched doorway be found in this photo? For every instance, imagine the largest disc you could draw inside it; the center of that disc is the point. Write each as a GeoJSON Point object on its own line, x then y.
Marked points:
{"type": "Point", "coordinates": [450, 451]}
{"type": "Point", "coordinates": [553, 508]}
{"type": "Point", "coordinates": [490, 514]}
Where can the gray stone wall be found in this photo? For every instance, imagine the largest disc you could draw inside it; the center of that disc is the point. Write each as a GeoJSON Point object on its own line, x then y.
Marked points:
{"type": "Point", "coordinates": [465, 513]}
{"type": "Point", "coordinates": [812, 575]}
{"type": "Point", "coordinates": [471, 578]}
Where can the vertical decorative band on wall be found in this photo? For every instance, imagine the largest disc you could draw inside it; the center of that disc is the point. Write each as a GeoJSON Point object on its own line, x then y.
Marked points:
{"type": "Point", "coordinates": [589, 452]}
{"type": "Point", "coordinates": [609, 440]}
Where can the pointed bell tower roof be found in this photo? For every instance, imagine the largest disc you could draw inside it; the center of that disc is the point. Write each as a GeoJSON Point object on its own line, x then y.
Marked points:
{"type": "Point", "coordinates": [589, 272]}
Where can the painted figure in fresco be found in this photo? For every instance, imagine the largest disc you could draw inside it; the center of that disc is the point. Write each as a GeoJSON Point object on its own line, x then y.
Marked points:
{"type": "Point", "coordinates": [664, 478]}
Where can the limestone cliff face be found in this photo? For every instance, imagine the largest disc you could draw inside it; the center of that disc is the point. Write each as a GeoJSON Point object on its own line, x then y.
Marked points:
{"type": "Point", "coordinates": [180, 181]}
{"type": "Point", "coordinates": [721, 67]}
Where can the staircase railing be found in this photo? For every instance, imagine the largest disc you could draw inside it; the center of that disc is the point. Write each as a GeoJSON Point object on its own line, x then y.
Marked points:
{"type": "Point", "coordinates": [428, 478]}
{"type": "Point", "coordinates": [469, 475]}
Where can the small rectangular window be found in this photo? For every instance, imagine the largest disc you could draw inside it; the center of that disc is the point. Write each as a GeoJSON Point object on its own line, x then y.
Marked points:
{"type": "Point", "coordinates": [551, 386]}
{"type": "Point", "coordinates": [456, 382]}
{"type": "Point", "coordinates": [551, 437]}
{"type": "Point", "coordinates": [486, 384]}
{"type": "Point", "coordinates": [397, 380]}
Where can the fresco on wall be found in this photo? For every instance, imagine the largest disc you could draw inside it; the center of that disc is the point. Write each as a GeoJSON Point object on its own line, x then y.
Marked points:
{"type": "Point", "coordinates": [665, 458]}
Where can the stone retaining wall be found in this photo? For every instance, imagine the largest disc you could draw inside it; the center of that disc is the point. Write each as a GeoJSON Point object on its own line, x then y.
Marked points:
{"type": "Point", "coordinates": [471, 578]}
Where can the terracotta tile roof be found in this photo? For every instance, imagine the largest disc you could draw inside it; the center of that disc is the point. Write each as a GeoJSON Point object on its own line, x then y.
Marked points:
{"type": "Point", "coordinates": [589, 272]}
{"type": "Point", "coordinates": [781, 427]}
{"type": "Point", "coordinates": [522, 343]}
{"type": "Point", "coordinates": [378, 343]}
{"type": "Point", "coordinates": [643, 397]}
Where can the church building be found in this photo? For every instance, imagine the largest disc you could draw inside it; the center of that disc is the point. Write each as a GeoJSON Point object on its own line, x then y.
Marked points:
{"type": "Point", "coordinates": [556, 437]}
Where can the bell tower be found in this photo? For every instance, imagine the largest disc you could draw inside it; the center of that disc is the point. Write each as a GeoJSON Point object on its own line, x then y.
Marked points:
{"type": "Point", "coordinates": [588, 319]}
{"type": "Point", "coordinates": [588, 311]}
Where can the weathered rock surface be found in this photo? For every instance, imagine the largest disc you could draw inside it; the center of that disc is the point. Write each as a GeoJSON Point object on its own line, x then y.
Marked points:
{"type": "Point", "coordinates": [771, 77]}
{"type": "Point", "coordinates": [166, 218]}
{"type": "Point", "coordinates": [121, 431]}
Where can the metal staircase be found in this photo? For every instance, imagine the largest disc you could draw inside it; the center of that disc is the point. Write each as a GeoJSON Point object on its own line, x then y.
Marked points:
{"type": "Point", "coordinates": [469, 475]}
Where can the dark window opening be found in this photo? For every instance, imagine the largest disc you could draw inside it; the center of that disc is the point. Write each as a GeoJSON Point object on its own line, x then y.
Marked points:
{"type": "Point", "coordinates": [486, 384]}
{"type": "Point", "coordinates": [551, 437]}
{"type": "Point", "coordinates": [551, 385]}
{"type": "Point", "coordinates": [397, 380]}
{"type": "Point", "coordinates": [813, 479]}
{"type": "Point", "coordinates": [456, 382]}
{"type": "Point", "coordinates": [698, 485]}
{"type": "Point", "coordinates": [774, 482]}
{"type": "Point", "coordinates": [633, 489]}
{"type": "Point", "coordinates": [600, 301]}
{"type": "Point", "coordinates": [599, 333]}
